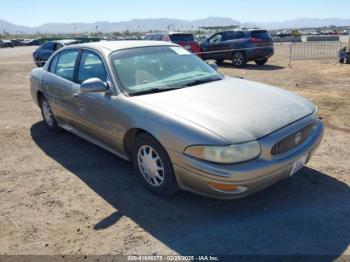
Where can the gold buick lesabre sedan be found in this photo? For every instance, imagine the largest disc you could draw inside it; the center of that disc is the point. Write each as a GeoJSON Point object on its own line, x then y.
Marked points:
{"type": "Point", "coordinates": [181, 123]}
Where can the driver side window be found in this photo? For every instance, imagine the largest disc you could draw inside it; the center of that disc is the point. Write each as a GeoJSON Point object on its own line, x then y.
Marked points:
{"type": "Point", "coordinates": [216, 38]}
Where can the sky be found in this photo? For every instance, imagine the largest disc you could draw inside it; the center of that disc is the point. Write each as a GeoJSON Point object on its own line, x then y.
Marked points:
{"type": "Point", "coordinates": [37, 12]}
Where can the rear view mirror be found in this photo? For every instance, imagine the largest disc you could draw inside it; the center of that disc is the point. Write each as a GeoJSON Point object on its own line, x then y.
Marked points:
{"type": "Point", "coordinates": [93, 85]}
{"type": "Point", "coordinates": [213, 65]}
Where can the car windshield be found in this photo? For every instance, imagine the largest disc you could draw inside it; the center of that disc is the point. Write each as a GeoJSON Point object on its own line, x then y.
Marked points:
{"type": "Point", "coordinates": [146, 69]}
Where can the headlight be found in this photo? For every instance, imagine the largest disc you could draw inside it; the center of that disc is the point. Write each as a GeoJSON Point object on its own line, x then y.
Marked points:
{"type": "Point", "coordinates": [226, 154]}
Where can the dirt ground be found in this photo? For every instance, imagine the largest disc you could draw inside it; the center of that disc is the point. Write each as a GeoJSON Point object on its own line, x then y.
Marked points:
{"type": "Point", "coordinates": [62, 195]}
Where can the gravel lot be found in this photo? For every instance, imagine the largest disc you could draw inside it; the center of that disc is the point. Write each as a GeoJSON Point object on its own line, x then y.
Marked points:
{"type": "Point", "coordinates": [62, 195]}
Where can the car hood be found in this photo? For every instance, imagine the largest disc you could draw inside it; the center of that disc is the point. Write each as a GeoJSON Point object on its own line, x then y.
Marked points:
{"type": "Point", "coordinates": [235, 109]}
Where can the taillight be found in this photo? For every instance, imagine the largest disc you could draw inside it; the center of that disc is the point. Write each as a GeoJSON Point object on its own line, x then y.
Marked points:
{"type": "Point", "coordinates": [255, 40]}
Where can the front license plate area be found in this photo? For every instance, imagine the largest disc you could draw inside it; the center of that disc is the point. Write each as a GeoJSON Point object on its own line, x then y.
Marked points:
{"type": "Point", "coordinates": [299, 164]}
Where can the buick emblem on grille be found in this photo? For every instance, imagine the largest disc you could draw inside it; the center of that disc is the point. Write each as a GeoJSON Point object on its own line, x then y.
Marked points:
{"type": "Point", "coordinates": [298, 138]}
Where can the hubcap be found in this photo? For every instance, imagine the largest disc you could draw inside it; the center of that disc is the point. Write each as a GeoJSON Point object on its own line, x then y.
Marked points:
{"type": "Point", "coordinates": [238, 59]}
{"type": "Point", "coordinates": [150, 165]}
{"type": "Point", "coordinates": [48, 116]}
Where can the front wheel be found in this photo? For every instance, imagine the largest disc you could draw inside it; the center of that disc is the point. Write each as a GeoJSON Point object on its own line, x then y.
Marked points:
{"type": "Point", "coordinates": [239, 59]}
{"type": "Point", "coordinates": [261, 62]}
{"type": "Point", "coordinates": [153, 165]}
{"type": "Point", "coordinates": [48, 116]}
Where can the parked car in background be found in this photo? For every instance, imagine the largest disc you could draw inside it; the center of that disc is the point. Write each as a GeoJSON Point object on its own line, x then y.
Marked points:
{"type": "Point", "coordinates": [185, 40]}
{"type": "Point", "coordinates": [30, 42]}
{"type": "Point", "coordinates": [17, 42]}
{"type": "Point", "coordinates": [181, 123]}
{"type": "Point", "coordinates": [6, 43]}
{"type": "Point", "coordinates": [239, 46]}
{"type": "Point", "coordinates": [43, 53]}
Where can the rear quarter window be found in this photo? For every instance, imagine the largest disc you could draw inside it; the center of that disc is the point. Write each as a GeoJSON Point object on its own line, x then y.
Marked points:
{"type": "Point", "coordinates": [53, 64]}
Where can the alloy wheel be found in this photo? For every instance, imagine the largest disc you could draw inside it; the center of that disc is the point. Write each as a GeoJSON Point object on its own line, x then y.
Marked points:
{"type": "Point", "coordinates": [238, 59]}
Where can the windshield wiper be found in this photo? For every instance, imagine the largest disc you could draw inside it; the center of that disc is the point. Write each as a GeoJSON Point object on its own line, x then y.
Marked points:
{"type": "Point", "coordinates": [153, 90]}
{"type": "Point", "coordinates": [201, 81]}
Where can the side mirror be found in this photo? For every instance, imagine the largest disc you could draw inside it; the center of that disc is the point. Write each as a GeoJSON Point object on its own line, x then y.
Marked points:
{"type": "Point", "coordinates": [93, 85]}
{"type": "Point", "coordinates": [213, 65]}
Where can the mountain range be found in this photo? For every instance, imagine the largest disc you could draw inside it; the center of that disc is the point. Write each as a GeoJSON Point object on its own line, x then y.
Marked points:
{"type": "Point", "coordinates": [166, 24]}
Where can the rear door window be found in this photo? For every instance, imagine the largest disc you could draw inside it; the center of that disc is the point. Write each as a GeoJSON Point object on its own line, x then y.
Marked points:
{"type": "Point", "coordinates": [229, 36]}
{"type": "Point", "coordinates": [66, 63]}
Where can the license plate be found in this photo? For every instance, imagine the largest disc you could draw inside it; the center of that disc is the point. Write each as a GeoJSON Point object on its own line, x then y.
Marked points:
{"type": "Point", "coordinates": [299, 164]}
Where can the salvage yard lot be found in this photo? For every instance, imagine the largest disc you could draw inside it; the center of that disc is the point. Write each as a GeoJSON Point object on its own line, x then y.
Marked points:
{"type": "Point", "coordinates": [62, 195]}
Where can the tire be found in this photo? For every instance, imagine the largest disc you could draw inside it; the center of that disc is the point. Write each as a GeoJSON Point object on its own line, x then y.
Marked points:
{"type": "Point", "coordinates": [48, 116]}
{"type": "Point", "coordinates": [341, 60]}
{"type": "Point", "coordinates": [239, 59]}
{"type": "Point", "coordinates": [41, 63]}
{"type": "Point", "coordinates": [261, 62]}
{"type": "Point", "coordinates": [144, 152]}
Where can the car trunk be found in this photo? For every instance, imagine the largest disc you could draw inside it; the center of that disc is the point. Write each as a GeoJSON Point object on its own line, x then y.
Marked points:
{"type": "Point", "coordinates": [187, 41]}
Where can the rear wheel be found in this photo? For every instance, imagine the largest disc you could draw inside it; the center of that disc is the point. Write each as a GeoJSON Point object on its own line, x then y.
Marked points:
{"type": "Point", "coordinates": [239, 59]}
{"type": "Point", "coordinates": [153, 165]}
{"type": "Point", "coordinates": [48, 116]}
{"type": "Point", "coordinates": [261, 62]}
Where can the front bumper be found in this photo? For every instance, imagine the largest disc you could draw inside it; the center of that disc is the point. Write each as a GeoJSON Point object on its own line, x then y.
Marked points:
{"type": "Point", "coordinates": [195, 175]}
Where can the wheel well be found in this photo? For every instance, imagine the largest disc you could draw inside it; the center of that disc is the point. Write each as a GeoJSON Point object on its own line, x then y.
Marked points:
{"type": "Point", "coordinates": [239, 51]}
{"type": "Point", "coordinates": [129, 139]}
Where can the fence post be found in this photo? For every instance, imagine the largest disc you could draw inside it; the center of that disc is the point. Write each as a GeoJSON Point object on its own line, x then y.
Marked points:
{"type": "Point", "coordinates": [290, 55]}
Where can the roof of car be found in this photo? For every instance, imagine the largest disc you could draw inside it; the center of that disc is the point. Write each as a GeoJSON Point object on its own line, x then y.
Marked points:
{"type": "Point", "coordinates": [171, 33]}
{"type": "Point", "coordinates": [66, 41]}
{"type": "Point", "coordinates": [119, 45]}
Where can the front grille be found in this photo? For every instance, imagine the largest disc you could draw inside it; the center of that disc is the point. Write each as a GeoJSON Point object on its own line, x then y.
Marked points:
{"type": "Point", "coordinates": [292, 141]}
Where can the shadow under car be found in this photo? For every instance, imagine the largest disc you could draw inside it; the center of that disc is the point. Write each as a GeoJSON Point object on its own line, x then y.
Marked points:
{"type": "Point", "coordinates": [304, 215]}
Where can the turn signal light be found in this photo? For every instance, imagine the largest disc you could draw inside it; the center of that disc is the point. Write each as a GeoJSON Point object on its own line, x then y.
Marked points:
{"type": "Point", "coordinates": [224, 187]}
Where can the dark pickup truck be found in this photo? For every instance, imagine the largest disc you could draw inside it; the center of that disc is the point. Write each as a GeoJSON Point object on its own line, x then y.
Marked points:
{"type": "Point", "coordinates": [239, 46]}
